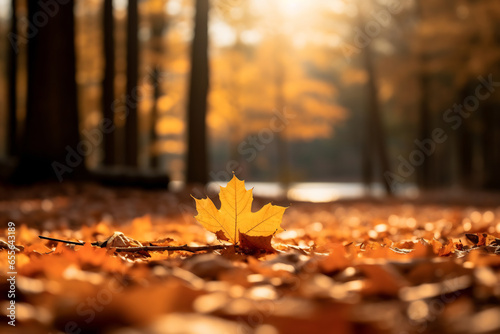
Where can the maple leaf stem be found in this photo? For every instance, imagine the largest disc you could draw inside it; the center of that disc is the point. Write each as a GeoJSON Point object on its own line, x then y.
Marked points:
{"type": "Point", "coordinates": [235, 217]}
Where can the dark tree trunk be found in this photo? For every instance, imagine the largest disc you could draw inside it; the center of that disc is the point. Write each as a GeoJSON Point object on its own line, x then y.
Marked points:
{"type": "Point", "coordinates": [367, 155]}
{"type": "Point", "coordinates": [424, 180]}
{"type": "Point", "coordinates": [197, 169]}
{"type": "Point", "coordinates": [465, 142]}
{"type": "Point", "coordinates": [154, 160]}
{"type": "Point", "coordinates": [51, 116]}
{"type": "Point", "coordinates": [424, 171]}
{"type": "Point", "coordinates": [375, 122]}
{"type": "Point", "coordinates": [12, 142]}
{"type": "Point", "coordinates": [158, 25]}
{"type": "Point", "coordinates": [490, 146]}
{"type": "Point", "coordinates": [375, 142]}
{"type": "Point", "coordinates": [131, 124]}
{"type": "Point", "coordinates": [108, 90]}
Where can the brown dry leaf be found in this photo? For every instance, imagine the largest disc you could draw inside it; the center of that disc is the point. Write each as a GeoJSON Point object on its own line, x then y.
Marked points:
{"type": "Point", "coordinates": [256, 245]}
{"type": "Point", "coordinates": [118, 239]}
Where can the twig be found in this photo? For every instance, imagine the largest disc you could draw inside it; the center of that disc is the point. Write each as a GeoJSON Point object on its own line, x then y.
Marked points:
{"type": "Point", "coordinates": [185, 248]}
{"type": "Point", "coordinates": [60, 240]}
{"type": "Point", "coordinates": [68, 242]}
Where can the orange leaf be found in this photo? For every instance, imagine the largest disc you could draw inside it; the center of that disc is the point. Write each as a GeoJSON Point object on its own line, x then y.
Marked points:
{"type": "Point", "coordinates": [235, 217]}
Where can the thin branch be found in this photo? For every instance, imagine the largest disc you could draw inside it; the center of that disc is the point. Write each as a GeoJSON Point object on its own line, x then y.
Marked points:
{"type": "Point", "coordinates": [69, 242]}
{"type": "Point", "coordinates": [185, 248]}
{"type": "Point", "coordinates": [60, 240]}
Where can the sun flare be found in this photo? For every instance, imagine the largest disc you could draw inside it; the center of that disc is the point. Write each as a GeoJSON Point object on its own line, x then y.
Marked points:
{"type": "Point", "coordinates": [295, 9]}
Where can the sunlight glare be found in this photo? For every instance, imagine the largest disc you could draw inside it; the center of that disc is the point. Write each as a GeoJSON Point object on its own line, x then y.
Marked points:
{"type": "Point", "coordinates": [173, 7]}
{"type": "Point", "coordinates": [298, 8]}
{"type": "Point", "coordinates": [337, 6]}
{"type": "Point", "coordinates": [223, 34]}
{"type": "Point", "coordinates": [120, 4]}
{"type": "Point", "coordinates": [4, 9]}
{"type": "Point", "coordinates": [250, 37]}
{"type": "Point", "coordinates": [292, 16]}
{"type": "Point", "coordinates": [291, 8]}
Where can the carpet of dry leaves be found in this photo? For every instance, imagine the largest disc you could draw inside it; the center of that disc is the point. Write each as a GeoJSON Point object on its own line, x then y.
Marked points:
{"type": "Point", "coordinates": [365, 266]}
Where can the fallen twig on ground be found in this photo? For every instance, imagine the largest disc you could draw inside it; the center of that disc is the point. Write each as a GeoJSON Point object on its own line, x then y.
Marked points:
{"type": "Point", "coordinates": [185, 248]}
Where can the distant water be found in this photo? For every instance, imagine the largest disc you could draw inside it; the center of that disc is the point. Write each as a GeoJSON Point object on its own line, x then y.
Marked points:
{"type": "Point", "coordinates": [316, 191]}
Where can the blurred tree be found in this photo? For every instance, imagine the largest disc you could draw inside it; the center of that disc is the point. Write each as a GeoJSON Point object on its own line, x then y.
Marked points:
{"type": "Point", "coordinates": [459, 43]}
{"type": "Point", "coordinates": [154, 152]}
{"type": "Point", "coordinates": [131, 124]}
{"type": "Point", "coordinates": [12, 84]}
{"type": "Point", "coordinates": [490, 143]}
{"type": "Point", "coordinates": [375, 147]}
{"type": "Point", "coordinates": [108, 90]}
{"type": "Point", "coordinates": [158, 26]}
{"type": "Point", "coordinates": [425, 173]}
{"type": "Point", "coordinates": [197, 168]}
{"type": "Point", "coordinates": [51, 132]}
{"type": "Point", "coordinates": [375, 140]}
{"type": "Point", "coordinates": [485, 50]}
{"type": "Point", "coordinates": [280, 49]}
{"type": "Point", "coordinates": [466, 149]}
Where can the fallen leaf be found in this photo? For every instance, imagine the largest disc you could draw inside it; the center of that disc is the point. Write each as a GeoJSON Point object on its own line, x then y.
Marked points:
{"type": "Point", "coordinates": [472, 238]}
{"type": "Point", "coordinates": [118, 239]}
{"type": "Point", "coordinates": [235, 218]}
{"type": "Point", "coordinates": [251, 245]}
{"type": "Point", "coordinates": [337, 259]}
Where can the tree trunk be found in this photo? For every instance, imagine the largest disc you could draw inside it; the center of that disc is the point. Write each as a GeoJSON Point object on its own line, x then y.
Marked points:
{"type": "Point", "coordinates": [131, 124]}
{"type": "Point", "coordinates": [51, 114]}
{"type": "Point", "coordinates": [424, 180]}
{"type": "Point", "coordinates": [375, 143]}
{"type": "Point", "coordinates": [158, 25]}
{"type": "Point", "coordinates": [367, 156]}
{"type": "Point", "coordinates": [490, 144]}
{"type": "Point", "coordinates": [367, 167]}
{"type": "Point", "coordinates": [465, 142]}
{"type": "Point", "coordinates": [154, 151]}
{"type": "Point", "coordinates": [108, 84]}
{"type": "Point", "coordinates": [375, 121]}
{"type": "Point", "coordinates": [197, 169]}
{"type": "Point", "coordinates": [12, 141]}
{"type": "Point", "coordinates": [284, 174]}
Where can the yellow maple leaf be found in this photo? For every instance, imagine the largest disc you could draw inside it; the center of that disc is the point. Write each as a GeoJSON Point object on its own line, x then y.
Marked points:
{"type": "Point", "coordinates": [235, 216]}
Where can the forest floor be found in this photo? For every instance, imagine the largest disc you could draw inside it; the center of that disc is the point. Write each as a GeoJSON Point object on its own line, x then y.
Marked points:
{"type": "Point", "coordinates": [360, 266]}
